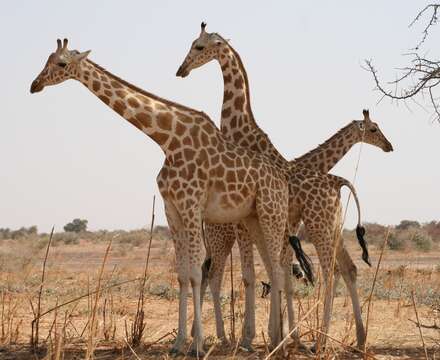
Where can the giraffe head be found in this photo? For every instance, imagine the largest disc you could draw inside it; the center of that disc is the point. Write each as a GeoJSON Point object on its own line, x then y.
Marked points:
{"type": "Point", "coordinates": [203, 49]}
{"type": "Point", "coordinates": [370, 133]}
{"type": "Point", "coordinates": [60, 66]}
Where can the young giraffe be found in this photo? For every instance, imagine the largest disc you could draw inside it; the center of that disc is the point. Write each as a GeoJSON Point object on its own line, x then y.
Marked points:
{"type": "Point", "coordinates": [239, 124]}
{"type": "Point", "coordinates": [204, 178]}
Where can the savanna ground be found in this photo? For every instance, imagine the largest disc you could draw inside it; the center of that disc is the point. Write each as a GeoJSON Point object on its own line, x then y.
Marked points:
{"type": "Point", "coordinates": [103, 321]}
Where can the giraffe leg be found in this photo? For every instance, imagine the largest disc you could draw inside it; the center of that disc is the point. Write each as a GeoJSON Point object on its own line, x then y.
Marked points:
{"type": "Point", "coordinates": [257, 236]}
{"type": "Point", "coordinates": [349, 274]}
{"type": "Point", "coordinates": [180, 245]}
{"type": "Point", "coordinates": [210, 231]}
{"type": "Point", "coordinates": [248, 273]}
{"type": "Point", "coordinates": [215, 278]}
{"type": "Point", "coordinates": [286, 260]}
{"type": "Point", "coordinates": [322, 240]}
{"type": "Point", "coordinates": [195, 250]}
{"type": "Point", "coordinates": [271, 225]}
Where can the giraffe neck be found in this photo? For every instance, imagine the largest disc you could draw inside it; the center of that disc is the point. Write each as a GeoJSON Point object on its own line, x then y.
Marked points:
{"type": "Point", "coordinates": [237, 120]}
{"type": "Point", "coordinates": [324, 157]}
{"type": "Point", "coordinates": [170, 125]}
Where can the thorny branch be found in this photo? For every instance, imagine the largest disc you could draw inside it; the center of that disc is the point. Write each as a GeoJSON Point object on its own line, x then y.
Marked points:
{"type": "Point", "coordinates": [420, 78]}
{"type": "Point", "coordinates": [423, 76]}
{"type": "Point", "coordinates": [432, 21]}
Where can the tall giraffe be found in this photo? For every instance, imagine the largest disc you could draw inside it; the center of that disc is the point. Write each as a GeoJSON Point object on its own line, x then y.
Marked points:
{"type": "Point", "coordinates": [238, 123]}
{"type": "Point", "coordinates": [204, 178]}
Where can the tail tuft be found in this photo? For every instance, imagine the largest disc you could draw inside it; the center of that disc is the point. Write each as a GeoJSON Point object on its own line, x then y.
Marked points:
{"type": "Point", "coordinates": [297, 272]}
{"type": "Point", "coordinates": [304, 261]}
{"type": "Point", "coordinates": [266, 289]}
{"type": "Point", "coordinates": [360, 233]}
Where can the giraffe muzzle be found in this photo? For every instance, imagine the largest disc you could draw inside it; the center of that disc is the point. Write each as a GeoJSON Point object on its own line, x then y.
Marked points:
{"type": "Point", "coordinates": [389, 147]}
{"type": "Point", "coordinates": [36, 86]}
{"type": "Point", "coordinates": [182, 72]}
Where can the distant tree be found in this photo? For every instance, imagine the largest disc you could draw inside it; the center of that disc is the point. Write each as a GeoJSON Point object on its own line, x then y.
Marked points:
{"type": "Point", "coordinates": [5, 233]}
{"type": "Point", "coordinates": [406, 224]}
{"type": "Point", "coordinates": [32, 230]}
{"type": "Point", "coordinates": [433, 229]}
{"type": "Point", "coordinates": [420, 79]}
{"type": "Point", "coordinates": [76, 225]}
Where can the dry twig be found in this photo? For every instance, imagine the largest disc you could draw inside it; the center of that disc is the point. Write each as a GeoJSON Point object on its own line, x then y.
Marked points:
{"type": "Point", "coordinates": [138, 326]}
{"type": "Point", "coordinates": [418, 324]}
{"type": "Point", "coordinates": [36, 322]}
{"type": "Point", "coordinates": [370, 297]}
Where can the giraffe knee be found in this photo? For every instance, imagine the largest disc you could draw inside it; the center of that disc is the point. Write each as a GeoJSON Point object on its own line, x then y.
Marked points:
{"type": "Point", "coordinates": [352, 271]}
{"type": "Point", "coordinates": [183, 280]}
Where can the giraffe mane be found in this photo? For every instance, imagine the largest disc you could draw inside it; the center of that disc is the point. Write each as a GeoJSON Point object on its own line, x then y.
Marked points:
{"type": "Point", "coordinates": [246, 79]}
{"type": "Point", "coordinates": [150, 95]}
{"type": "Point", "coordinates": [246, 83]}
{"type": "Point", "coordinates": [329, 140]}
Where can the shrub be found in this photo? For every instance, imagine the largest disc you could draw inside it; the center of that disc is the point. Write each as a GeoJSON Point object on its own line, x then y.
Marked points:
{"type": "Point", "coordinates": [375, 233]}
{"type": "Point", "coordinates": [5, 233]}
{"type": "Point", "coordinates": [433, 229]}
{"type": "Point", "coordinates": [406, 224]}
{"type": "Point", "coordinates": [163, 290]}
{"type": "Point", "coordinates": [397, 242]}
{"type": "Point", "coordinates": [135, 237]}
{"type": "Point", "coordinates": [68, 238]}
{"type": "Point", "coordinates": [422, 241]}
{"type": "Point", "coordinates": [162, 232]}
{"type": "Point", "coordinates": [20, 233]}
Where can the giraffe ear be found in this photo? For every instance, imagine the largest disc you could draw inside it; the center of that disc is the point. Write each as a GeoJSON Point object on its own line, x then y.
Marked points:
{"type": "Point", "coordinates": [81, 56]}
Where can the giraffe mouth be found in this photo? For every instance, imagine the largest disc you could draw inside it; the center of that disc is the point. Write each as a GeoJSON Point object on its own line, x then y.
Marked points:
{"type": "Point", "coordinates": [36, 86]}
{"type": "Point", "coordinates": [388, 147]}
{"type": "Point", "coordinates": [182, 72]}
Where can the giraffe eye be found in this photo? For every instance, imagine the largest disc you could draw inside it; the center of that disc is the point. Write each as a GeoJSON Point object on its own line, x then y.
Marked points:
{"type": "Point", "coordinates": [373, 130]}
{"type": "Point", "coordinates": [199, 47]}
{"type": "Point", "coordinates": [61, 64]}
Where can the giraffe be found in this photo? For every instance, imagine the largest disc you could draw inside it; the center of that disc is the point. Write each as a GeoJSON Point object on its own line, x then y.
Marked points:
{"type": "Point", "coordinates": [325, 156]}
{"type": "Point", "coordinates": [238, 123]}
{"type": "Point", "coordinates": [204, 178]}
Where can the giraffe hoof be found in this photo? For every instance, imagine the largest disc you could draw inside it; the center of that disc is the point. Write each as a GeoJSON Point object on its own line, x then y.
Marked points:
{"type": "Point", "coordinates": [225, 342]}
{"type": "Point", "coordinates": [314, 348]}
{"type": "Point", "coordinates": [175, 352]}
{"type": "Point", "coordinates": [198, 354]}
{"type": "Point", "coordinates": [247, 348]}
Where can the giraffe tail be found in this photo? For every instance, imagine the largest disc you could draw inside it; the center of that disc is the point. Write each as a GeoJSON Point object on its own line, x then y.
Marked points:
{"type": "Point", "coordinates": [360, 230]}
{"type": "Point", "coordinates": [304, 260]}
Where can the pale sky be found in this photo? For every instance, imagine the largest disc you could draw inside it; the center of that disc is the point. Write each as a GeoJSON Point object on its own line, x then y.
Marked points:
{"type": "Point", "coordinates": [64, 154]}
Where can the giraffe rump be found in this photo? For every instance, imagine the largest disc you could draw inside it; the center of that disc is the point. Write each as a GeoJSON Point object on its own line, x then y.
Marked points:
{"type": "Point", "coordinates": [304, 260]}
{"type": "Point", "coordinates": [360, 232]}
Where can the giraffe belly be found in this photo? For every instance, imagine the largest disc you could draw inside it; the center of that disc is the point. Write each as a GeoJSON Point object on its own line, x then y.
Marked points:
{"type": "Point", "coordinates": [220, 209]}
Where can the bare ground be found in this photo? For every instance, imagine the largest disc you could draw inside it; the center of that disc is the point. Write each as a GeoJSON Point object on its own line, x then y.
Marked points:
{"type": "Point", "coordinates": [73, 270]}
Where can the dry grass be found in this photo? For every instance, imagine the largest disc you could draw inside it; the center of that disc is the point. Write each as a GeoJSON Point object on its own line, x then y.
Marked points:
{"type": "Point", "coordinates": [94, 324]}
